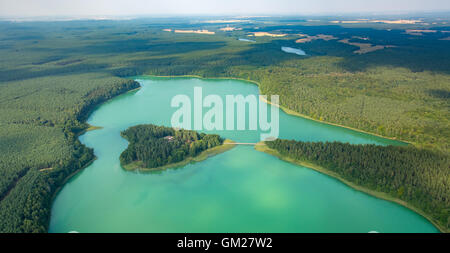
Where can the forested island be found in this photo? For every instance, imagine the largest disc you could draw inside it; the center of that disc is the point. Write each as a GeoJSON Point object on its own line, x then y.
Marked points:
{"type": "Point", "coordinates": [154, 147]}
{"type": "Point", "coordinates": [416, 178]}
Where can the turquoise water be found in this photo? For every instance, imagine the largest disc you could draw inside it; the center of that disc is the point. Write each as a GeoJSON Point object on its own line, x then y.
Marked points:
{"type": "Point", "coordinates": [241, 190]}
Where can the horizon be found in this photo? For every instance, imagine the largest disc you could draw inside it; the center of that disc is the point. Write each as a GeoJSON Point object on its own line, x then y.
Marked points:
{"type": "Point", "coordinates": [173, 8]}
{"type": "Point", "coordinates": [124, 17]}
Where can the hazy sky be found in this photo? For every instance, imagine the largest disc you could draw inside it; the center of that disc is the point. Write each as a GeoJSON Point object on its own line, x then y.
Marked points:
{"type": "Point", "coordinates": [210, 7]}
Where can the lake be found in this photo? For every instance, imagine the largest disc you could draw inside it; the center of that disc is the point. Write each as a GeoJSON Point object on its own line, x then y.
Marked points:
{"type": "Point", "coordinates": [292, 50]}
{"type": "Point", "coordinates": [241, 190]}
{"type": "Point", "coordinates": [246, 40]}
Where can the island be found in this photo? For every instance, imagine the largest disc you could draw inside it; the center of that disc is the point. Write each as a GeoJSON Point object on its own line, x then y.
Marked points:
{"type": "Point", "coordinates": [154, 147]}
{"type": "Point", "coordinates": [412, 177]}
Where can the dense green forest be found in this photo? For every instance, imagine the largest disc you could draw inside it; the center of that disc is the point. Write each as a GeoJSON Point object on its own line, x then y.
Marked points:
{"type": "Point", "coordinates": [39, 148]}
{"type": "Point", "coordinates": [418, 176]}
{"type": "Point", "coordinates": [52, 74]}
{"type": "Point", "coordinates": [156, 146]}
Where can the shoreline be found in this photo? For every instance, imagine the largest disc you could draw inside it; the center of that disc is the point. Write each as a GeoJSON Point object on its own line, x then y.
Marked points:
{"type": "Point", "coordinates": [286, 110]}
{"type": "Point", "coordinates": [58, 189]}
{"type": "Point", "coordinates": [88, 128]}
{"type": "Point", "coordinates": [294, 113]}
{"type": "Point", "coordinates": [226, 145]}
{"type": "Point", "coordinates": [63, 183]}
{"type": "Point", "coordinates": [200, 77]}
{"type": "Point", "coordinates": [380, 195]}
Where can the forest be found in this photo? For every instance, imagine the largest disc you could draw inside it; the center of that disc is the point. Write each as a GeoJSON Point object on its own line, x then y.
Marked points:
{"type": "Point", "coordinates": [156, 146]}
{"type": "Point", "coordinates": [41, 119]}
{"type": "Point", "coordinates": [418, 176]}
{"type": "Point", "coordinates": [53, 74]}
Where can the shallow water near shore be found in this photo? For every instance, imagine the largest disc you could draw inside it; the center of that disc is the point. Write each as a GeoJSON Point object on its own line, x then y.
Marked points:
{"type": "Point", "coordinates": [241, 190]}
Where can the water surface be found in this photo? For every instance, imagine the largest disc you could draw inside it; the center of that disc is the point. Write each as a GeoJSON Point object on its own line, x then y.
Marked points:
{"type": "Point", "coordinates": [292, 50]}
{"type": "Point", "coordinates": [246, 40]}
{"type": "Point", "coordinates": [241, 190]}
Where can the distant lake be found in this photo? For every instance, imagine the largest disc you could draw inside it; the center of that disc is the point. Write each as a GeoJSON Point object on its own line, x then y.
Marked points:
{"type": "Point", "coordinates": [247, 40]}
{"type": "Point", "coordinates": [292, 50]}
